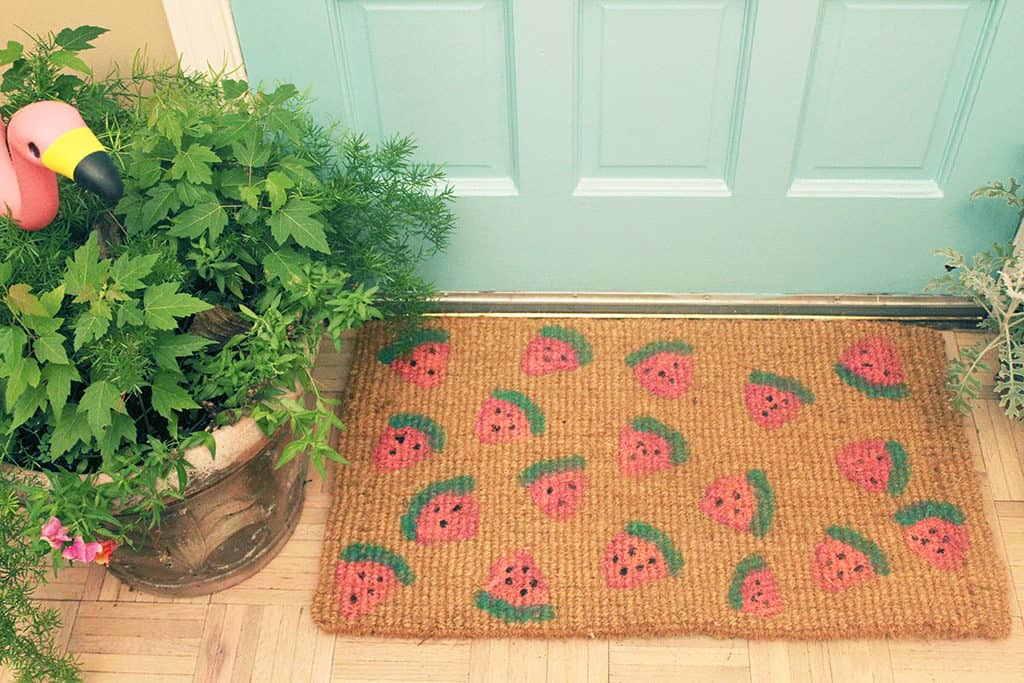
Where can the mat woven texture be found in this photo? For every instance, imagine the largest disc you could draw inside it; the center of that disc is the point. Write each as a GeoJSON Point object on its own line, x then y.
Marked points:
{"type": "Point", "coordinates": [590, 477]}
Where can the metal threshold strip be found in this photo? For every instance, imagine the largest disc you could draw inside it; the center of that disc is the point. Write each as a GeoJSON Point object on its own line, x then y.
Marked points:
{"type": "Point", "coordinates": [940, 311]}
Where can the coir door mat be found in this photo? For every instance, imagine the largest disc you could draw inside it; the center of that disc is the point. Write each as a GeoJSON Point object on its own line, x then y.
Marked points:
{"type": "Point", "coordinates": [588, 477]}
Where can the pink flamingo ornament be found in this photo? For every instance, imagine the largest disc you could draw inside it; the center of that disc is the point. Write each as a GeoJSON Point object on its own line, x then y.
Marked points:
{"type": "Point", "coordinates": [43, 139]}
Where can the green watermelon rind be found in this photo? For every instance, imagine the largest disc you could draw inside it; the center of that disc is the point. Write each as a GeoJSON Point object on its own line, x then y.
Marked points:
{"type": "Point", "coordinates": [899, 475]}
{"type": "Point", "coordinates": [509, 613]}
{"type": "Point", "coordinates": [893, 392]}
{"type": "Point", "coordinates": [579, 343]}
{"type": "Point", "coordinates": [403, 346]}
{"type": "Point", "coordinates": [745, 567]}
{"type": "Point", "coordinates": [912, 514]}
{"type": "Point", "coordinates": [788, 384]}
{"type": "Point", "coordinates": [368, 552]}
{"type": "Point", "coordinates": [543, 468]}
{"type": "Point", "coordinates": [673, 558]}
{"type": "Point", "coordinates": [435, 432]}
{"type": "Point", "coordinates": [762, 520]}
{"type": "Point", "coordinates": [458, 486]}
{"type": "Point", "coordinates": [676, 441]}
{"type": "Point", "coordinates": [534, 415]}
{"type": "Point", "coordinates": [675, 346]}
{"type": "Point", "coordinates": [870, 550]}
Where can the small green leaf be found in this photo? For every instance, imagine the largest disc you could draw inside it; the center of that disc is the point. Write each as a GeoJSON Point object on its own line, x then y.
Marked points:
{"type": "Point", "coordinates": [130, 314]}
{"type": "Point", "coordinates": [170, 346]}
{"type": "Point", "coordinates": [250, 195]}
{"type": "Point", "coordinates": [10, 53]}
{"type": "Point", "coordinates": [22, 373]}
{"type": "Point", "coordinates": [286, 266]}
{"type": "Point", "coordinates": [12, 342]}
{"type": "Point", "coordinates": [168, 396]}
{"type": "Point", "coordinates": [195, 164]}
{"type": "Point", "coordinates": [209, 216]}
{"type": "Point", "coordinates": [129, 272]}
{"type": "Point", "coordinates": [78, 38]}
{"type": "Point", "coordinates": [191, 194]}
{"type": "Point", "coordinates": [89, 327]}
{"type": "Point", "coordinates": [145, 170]}
{"type": "Point", "coordinates": [28, 404]}
{"type": "Point", "coordinates": [251, 150]}
{"type": "Point", "coordinates": [295, 220]}
{"type": "Point", "coordinates": [277, 185]}
{"type": "Point", "coordinates": [70, 60]}
{"type": "Point", "coordinates": [70, 428]}
{"type": "Point", "coordinates": [49, 348]}
{"type": "Point", "coordinates": [99, 400]}
{"type": "Point", "coordinates": [163, 199]}
{"type": "Point", "coordinates": [163, 303]}
{"type": "Point", "coordinates": [122, 428]}
{"type": "Point", "coordinates": [52, 300]}
{"type": "Point", "coordinates": [86, 274]}
{"type": "Point", "coordinates": [298, 170]}
{"type": "Point", "coordinates": [231, 180]}
{"type": "Point", "coordinates": [58, 379]}
{"type": "Point", "coordinates": [233, 89]}
{"type": "Point", "coordinates": [20, 299]}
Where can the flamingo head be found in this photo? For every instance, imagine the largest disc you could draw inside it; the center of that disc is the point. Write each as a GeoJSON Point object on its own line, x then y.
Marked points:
{"type": "Point", "coordinates": [53, 135]}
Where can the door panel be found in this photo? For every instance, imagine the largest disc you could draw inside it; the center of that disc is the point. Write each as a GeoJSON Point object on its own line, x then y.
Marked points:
{"type": "Point", "coordinates": [665, 131]}
{"type": "Point", "coordinates": [918, 58]}
{"type": "Point", "coordinates": [823, 146]}
{"type": "Point", "coordinates": [455, 94]}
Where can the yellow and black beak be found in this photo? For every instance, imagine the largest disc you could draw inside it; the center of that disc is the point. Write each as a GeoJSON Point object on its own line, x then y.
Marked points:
{"type": "Point", "coordinates": [78, 155]}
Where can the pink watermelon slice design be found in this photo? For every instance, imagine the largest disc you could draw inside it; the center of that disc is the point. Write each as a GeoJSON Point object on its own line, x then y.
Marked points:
{"type": "Point", "coordinates": [844, 559]}
{"type": "Point", "coordinates": [875, 465]}
{"type": "Point", "coordinates": [744, 502]}
{"type": "Point", "coordinates": [664, 368]}
{"type": "Point", "coordinates": [773, 400]}
{"type": "Point", "coordinates": [365, 576]}
{"type": "Point", "coordinates": [640, 555]}
{"type": "Point", "coordinates": [556, 486]}
{"type": "Point", "coordinates": [556, 349]}
{"type": "Point", "coordinates": [444, 511]}
{"type": "Point", "coordinates": [516, 591]}
{"type": "Point", "coordinates": [935, 532]}
{"type": "Point", "coordinates": [420, 357]}
{"type": "Point", "coordinates": [408, 439]}
{"type": "Point", "coordinates": [508, 415]}
{"type": "Point", "coordinates": [753, 589]}
{"type": "Point", "coordinates": [873, 367]}
{"type": "Point", "coordinates": [647, 445]}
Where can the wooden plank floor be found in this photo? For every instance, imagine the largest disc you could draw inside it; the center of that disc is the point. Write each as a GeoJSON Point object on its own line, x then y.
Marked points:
{"type": "Point", "coordinates": [261, 630]}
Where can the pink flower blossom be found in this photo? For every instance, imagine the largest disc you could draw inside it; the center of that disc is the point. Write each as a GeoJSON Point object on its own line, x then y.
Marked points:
{"type": "Point", "coordinates": [55, 534]}
{"type": "Point", "coordinates": [107, 548]}
{"type": "Point", "coordinates": [81, 551]}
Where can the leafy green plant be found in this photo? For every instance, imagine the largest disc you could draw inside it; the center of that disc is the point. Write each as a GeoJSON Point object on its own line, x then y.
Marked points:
{"type": "Point", "coordinates": [994, 280]}
{"type": "Point", "coordinates": [248, 231]}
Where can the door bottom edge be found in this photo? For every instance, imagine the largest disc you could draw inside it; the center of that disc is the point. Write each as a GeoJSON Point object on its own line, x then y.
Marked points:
{"type": "Point", "coordinates": [943, 311]}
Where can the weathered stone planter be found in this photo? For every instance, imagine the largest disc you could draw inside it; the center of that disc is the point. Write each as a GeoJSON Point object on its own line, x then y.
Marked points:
{"type": "Point", "coordinates": [238, 511]}
{"type": "Point", "coordinates": [234, 519]}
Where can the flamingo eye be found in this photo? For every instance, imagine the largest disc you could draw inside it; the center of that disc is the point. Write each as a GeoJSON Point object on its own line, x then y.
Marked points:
{"type": "Point", "coordinates": [33, 149]}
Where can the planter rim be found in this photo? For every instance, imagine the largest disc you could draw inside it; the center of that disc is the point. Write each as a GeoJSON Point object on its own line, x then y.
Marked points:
{"type": "Point", "coordinates": [236, 444]}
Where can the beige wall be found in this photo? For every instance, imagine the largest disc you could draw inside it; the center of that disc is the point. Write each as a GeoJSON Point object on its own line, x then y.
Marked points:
{"type": "Point", "coordinates": [133, 24]}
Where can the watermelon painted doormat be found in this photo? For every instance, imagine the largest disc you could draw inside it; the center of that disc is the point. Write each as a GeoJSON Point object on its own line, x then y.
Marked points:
{"type": "Point", "coordinates": [594, 477]}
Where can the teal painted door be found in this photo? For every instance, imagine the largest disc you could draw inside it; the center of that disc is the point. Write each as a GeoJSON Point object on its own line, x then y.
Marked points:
{"type": "Point", "coordinates": [811, 146]}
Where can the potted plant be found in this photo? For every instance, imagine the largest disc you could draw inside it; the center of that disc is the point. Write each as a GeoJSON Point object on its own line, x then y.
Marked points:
{"type": "Point", "coordinates": [994, 280]}
{"type": "Point", "coordinates": [136, 339]}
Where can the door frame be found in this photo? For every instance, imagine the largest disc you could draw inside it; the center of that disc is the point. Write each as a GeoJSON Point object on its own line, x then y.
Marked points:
{"type": "Point", "coordinates": [204, 35]}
